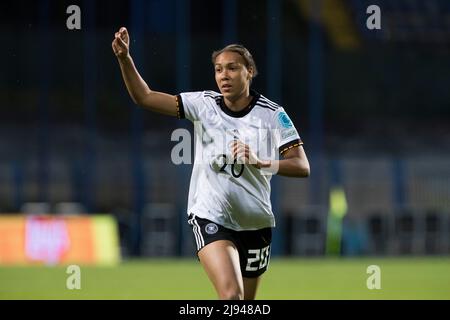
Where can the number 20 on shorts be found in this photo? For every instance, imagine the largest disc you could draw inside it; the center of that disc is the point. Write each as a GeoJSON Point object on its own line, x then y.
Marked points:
{"type": "Point", "coordinates": [259, 255]}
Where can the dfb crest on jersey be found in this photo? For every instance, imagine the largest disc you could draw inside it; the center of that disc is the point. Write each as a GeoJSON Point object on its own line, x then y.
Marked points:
{"type": "Point", "coordinates": [284, 120]}
{"type": "Point", "coordinates": [211, 228]}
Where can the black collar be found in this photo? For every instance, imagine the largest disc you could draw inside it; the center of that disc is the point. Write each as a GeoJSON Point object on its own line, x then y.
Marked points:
{"type": "Point", "coordinates": [239, 114]}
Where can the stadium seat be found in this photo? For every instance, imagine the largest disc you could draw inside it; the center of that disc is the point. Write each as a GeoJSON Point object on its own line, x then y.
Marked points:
{"type": "Point", "coordinates": [36, 208]}
{"type": "Point", "coordinates": [69, 208]}
{"type": "Point", "coordinates": [408, 233]}
{"type": "Point", "coordinates": [159, 229]}
{"type": "Point", "coordinates": [379, 227]}
{"type": "Point", "coordinates": [309, 233]}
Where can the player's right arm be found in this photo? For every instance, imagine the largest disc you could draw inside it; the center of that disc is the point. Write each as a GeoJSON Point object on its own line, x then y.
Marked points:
{"type": "Point", "coordinates": [139, 91]}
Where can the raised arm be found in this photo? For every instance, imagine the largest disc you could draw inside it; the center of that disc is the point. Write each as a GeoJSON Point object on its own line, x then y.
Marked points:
{"type": "Point", "coordinates": [139, 91]}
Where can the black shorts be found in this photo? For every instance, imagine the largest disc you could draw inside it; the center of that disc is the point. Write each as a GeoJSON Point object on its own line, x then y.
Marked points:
{"type": "Point", "coordinates": [253, 246]}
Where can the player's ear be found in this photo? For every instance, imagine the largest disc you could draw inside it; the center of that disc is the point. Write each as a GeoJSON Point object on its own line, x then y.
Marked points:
{"type": "Point", "coordinates": [249, 73]}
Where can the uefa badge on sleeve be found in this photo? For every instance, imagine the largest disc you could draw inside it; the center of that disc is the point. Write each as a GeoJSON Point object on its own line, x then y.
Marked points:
{"type": "Point", "coordinates": [284, 120]}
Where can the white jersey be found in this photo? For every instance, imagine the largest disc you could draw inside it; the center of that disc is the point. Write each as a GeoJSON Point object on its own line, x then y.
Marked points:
{"type": "Point", "coordinates": [224, 191]}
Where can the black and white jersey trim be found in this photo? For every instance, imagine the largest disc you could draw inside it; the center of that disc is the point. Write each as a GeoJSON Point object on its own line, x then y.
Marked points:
{"type": "Point", "coordinates": [200, 241]}
{"type": "Point", "coordinates": [216, 97]}
{"type": "Point", "coordinates": [265, 105]}
{"type": "Point", "coordinates": [266, 101]}
{"type": "Point", "coordinates": [212, 93]}
{"type": "Point", "coordinates": [259, 101]}
{"type": "Point", "coordinates": [263, 102]}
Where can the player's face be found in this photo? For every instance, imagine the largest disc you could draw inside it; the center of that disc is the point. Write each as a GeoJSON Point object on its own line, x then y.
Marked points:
{"type": "Point", "coordinates": [232, 76]}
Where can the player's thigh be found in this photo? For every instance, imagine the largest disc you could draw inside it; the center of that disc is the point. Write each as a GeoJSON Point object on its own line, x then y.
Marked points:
{"type": "Point", "coordinates": [250, 287]}
{"type": "Point", "coordinates": [220, 259]}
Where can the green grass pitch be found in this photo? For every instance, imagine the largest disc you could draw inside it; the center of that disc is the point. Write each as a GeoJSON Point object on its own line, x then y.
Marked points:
{"type": "Point", "coordinates": [287, 279]}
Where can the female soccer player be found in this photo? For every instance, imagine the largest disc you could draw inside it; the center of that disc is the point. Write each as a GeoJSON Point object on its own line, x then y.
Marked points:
{"type": "Point", "coordinates": [237, 131]}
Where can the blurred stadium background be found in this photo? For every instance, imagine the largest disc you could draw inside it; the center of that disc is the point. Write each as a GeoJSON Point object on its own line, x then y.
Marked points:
{"type": "Point", "coordinates": [372, 106]}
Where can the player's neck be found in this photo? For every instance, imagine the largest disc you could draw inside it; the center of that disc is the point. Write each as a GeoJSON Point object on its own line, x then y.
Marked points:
{"type": "Point", "coordinates": [240, 103]}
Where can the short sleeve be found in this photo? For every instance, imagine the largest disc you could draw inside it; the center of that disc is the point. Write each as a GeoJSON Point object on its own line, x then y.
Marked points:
{"type": "Point", "coordinates": [286, 135]}
{"type": "Point", "coordinates": [189, 105]}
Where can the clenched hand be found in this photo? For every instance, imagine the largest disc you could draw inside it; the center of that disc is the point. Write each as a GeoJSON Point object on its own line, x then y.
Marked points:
{"type": "Point", "coordinates": [121, 43]}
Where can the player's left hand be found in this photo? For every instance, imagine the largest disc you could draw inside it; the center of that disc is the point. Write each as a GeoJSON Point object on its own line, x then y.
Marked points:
{"type": "Point", "coordinates": [121, 43]}
{"type": "Point", "coordinates": [243, 154]}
